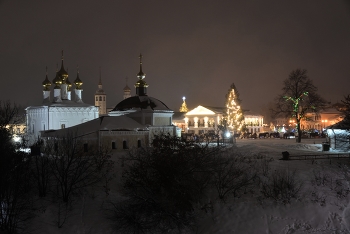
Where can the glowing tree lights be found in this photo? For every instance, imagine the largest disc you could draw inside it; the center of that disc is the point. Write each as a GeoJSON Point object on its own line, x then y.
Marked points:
{"type": "Point", "coordinates": [234, 115]}
{"type": "Point", "coordinates": [298, 98]}
{"type": "Point", "coordinates": [183, 107]}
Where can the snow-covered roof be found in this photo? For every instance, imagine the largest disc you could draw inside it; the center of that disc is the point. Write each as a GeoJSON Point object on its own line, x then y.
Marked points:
{"type": "Point", "coordinates": [201, 110]}
{"type": "Point", "coordinates": [141, 103]}
{"type": "Point", "coordinates": [344, 124]}
{"type": "Point", "coordinates": [103, 123]}
{"type": "Point", "coordinates": [64, 103]}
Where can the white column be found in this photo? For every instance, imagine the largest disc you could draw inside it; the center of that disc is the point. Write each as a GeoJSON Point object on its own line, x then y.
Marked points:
{"type": "Point", "coordinates": [205, 122]}
{"type": "Point", "coordinates": [46, 96]}
{"type": "Point", "coordinates": [57, 95]}
{"type": "Point", "coordinates": [64, 92]}
{"type": "Point", "coordinates": [78, 95]}
{"type": "Point", "coordinates": [195, 122]}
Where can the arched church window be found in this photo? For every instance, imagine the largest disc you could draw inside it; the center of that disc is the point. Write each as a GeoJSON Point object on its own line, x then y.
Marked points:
{"type": "Point", "coordinates": [100, 98]}
{"type": "Point", "coordinates": [104, 98]}
{"type": "Point", "coordinates": [96, 98]}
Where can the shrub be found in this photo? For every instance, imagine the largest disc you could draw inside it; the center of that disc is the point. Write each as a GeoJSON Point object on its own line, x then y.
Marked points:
{"type": "Point", "coordinates": [281, 185]}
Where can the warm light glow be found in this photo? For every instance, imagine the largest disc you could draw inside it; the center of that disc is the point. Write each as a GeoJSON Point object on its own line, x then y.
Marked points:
{"type": "Point", "coordinates": [200, 110]}
{"type": "Point", "coordinates": [16, 138]}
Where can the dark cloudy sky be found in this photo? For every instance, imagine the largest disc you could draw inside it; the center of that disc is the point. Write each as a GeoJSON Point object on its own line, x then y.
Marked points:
{"type": "Point", "coordinates": [191, 48]}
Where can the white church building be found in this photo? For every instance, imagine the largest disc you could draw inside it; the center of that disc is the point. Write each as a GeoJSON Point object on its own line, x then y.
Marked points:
{"type": "Point", "coordinates": [60, 109]}
{"type": "Point", "coordinates": [133, 122]}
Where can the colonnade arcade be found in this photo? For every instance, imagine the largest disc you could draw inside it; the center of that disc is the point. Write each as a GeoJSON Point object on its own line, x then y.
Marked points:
{"type": "Point", "coordinates": [201, 120]}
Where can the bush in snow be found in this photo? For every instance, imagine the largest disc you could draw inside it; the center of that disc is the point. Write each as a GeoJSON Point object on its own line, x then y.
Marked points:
{"type": "Point", "coordinates": [282, 186]}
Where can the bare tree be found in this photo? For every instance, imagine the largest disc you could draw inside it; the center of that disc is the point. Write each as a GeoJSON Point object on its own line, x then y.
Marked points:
{"type": "Point", "coordinates": [9, 114]}
{"type": "Point", "coordinates": [67, 170]}
{"type": "Point", "coordinates": [15, 177]}
{"type": "Point", "coordinates": [232, 174]}
{"type": "Point", "coordinates": [72, 167]}
{"type": "Point", "coordinates": [346, 109]}
{"type": "Point", "coordinates": [299, 96]}
{"type": "Point", "coordinates": [163, 186]}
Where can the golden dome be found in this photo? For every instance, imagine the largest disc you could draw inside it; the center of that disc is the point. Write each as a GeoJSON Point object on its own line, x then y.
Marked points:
{"type": "Point", "coordinates": [78, 82]}
{"type": "Point", "coordinates": [62, 73]}
{"type": "Point", "coordinates": [57, 81]}
{"type": "Point", "coordinates": [141, 83]}
{"type": "Point", "coordinates": [46, 83]}
{"type": "Point", "coordinates": [69, 84]}
{"type": "Point", "coordinates": [141, 75]}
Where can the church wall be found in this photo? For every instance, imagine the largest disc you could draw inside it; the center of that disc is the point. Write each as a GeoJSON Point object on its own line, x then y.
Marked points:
{"type": "Point", "coordinates": [37, 120]}
{"type": "Point", "coordinates": [64, 117]}
{"type": "Point", "coordinates": [160, 119]}
{"type": "Point", "coordinates": [157, 130]}
{"type": "Point", "coordinates": [132, 139]}
{"type": "Point", "coordinates": [43, 118]}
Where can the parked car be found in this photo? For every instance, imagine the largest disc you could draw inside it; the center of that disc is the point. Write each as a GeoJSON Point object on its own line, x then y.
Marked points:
{"type": "Point", "coordinates": [288, 135]}
{"type": "Point", "coordinates": [275, 135]}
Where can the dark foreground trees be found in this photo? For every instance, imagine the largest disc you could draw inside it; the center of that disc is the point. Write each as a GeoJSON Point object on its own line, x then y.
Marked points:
{"type": "Point", "coordinates": [15, 176]}
{"type": "Point", "coordinates": [346, 109]}
{"type": "Point", "coordinates": [166, 186]}
{"type": "Point", "coordinates": [299, 96]}
{"type": "Point", "coordinates": [66, 171]}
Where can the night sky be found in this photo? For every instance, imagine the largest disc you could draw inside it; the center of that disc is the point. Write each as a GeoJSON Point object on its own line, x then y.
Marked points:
{"type": "Point", "coordinates": [190, 48]}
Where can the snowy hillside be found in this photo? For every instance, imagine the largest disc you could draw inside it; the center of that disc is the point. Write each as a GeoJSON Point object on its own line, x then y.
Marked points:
{"type": "Point", "coordinates": [322, 205]}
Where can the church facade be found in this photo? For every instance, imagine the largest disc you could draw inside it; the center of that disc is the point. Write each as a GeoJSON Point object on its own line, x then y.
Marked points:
{"type": "Point", "coordinates": [60, 109]}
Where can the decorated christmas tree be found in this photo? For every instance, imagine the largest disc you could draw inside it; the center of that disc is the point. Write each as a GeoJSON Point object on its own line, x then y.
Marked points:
{"type": "Point", "coordinates": [234, 114]}
{"type": "Point", "coordinates": [183, 107]}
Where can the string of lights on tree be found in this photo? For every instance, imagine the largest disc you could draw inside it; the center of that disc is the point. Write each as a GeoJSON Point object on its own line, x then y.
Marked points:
{"type": "Point", "coordinates": [234, 114]}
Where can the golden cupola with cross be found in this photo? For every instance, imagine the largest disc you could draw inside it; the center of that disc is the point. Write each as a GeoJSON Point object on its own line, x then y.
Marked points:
{"type": "Point", "coordinates": [141, 85]}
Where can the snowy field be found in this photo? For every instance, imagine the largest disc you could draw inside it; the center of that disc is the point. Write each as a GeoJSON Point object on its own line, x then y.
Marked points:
{"type": "Point", "coordinates": [321, 207]}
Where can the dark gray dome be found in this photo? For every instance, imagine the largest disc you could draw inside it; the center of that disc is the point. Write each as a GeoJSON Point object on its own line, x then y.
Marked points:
{"type": "Point", "coordinates": [141, 103]}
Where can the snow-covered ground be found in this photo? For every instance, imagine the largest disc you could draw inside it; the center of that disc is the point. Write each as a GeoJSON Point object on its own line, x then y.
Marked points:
{"type": "Point", "coordinates": [322, 206]}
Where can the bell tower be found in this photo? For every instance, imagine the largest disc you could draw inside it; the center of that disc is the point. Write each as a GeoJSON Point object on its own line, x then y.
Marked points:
{"type": "Point", "coordinates": [100, 98]}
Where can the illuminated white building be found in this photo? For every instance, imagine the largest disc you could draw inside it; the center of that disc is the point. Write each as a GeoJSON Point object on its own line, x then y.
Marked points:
{"type": "Point", "coordinates": [254, 123]}
{"type": "Point", "coordinates": [62, 112]}
{"type": "Point", "coordinates": [200, 120]}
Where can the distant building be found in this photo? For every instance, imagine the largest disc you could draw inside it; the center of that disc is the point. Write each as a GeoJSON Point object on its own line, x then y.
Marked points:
{"type": "Point", "coordinates": [254, 123]}
{"type": "Point", "coordinates": [203, 119]}
{"type": "Point", "coordinates": [127, 90]}
{"type": "Point", "coordinates": [312, 122]}
{"type": "Point", "coordinates": [321, 120]}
